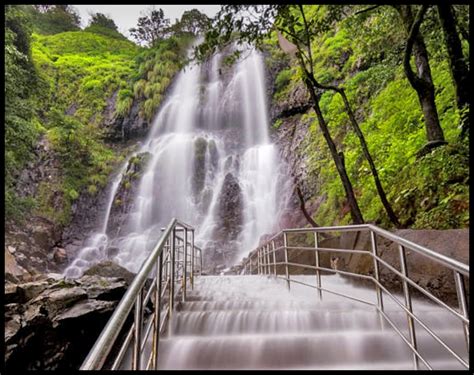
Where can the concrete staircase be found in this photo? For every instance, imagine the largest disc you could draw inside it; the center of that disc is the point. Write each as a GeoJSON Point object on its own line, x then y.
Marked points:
{"type": "Point", "coordinates": [254, 322]}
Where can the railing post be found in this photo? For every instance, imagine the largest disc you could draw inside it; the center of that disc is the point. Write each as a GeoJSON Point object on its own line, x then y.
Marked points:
{"type": "Point", "coordinates": [269, 259]}
{"type": "Point", "coordinates": [172, 271]}
{"type": "Point", "coordinates": [156, 338]}
{"type": "Point", "coordinates": [376, 270]}
{"type": "Point", "coordinates": [316, 263]}
{"type": "Point", "coordinates": [264, 258]}
{"type": "Point", "coordinates": [461, 293]}
{"type": "Point", "coordinates": [274, 258]}
{"type": "Point", "coordinates": [185, 264]}
{"type": "Point", "coordinates": [192, 259]}
{"type": "Point", "coordinates": [287, 271]}
{"type": "Point", "coordinates": [200, 261]}
{"type": "Point", "coordinates": [265, 254]}
{"type": "Point", "coordinates": [258, 261]}
{"type": "Point", "coordinates": [136, 360]}
{"type": "Point", "coordinates": [251, 267]}
{"type": "Point", "coordinates": [408, 305]}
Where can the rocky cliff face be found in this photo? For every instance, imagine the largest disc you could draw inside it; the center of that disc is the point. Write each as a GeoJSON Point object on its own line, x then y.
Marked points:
{"type": "Point", "coordinates": [51, 323]}
{"type": "Point", "coordinates": [290, 137]}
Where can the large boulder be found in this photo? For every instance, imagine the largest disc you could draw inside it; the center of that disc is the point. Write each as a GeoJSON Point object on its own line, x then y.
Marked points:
{"type": "Point", "coordinates": [221, 251]}
{"type": "Point", "coordinates": [52, 323]}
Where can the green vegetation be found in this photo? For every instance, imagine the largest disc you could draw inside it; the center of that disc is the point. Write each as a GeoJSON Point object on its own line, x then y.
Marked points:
{"type": "Point", "coordinates": [391, 119]}
{"type": "Point", "coordinates": [156, 67]}
{"type": "Point", "coordinates": [21, 126]}
{"type": "Point", "coordinates": [60, 85]}
{"type": "Point", "coordinates": [363, 53]}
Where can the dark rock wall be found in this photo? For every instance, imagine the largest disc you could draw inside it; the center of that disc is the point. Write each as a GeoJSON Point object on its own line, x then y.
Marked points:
{"type": "Point", "coordinates": [51, 324]}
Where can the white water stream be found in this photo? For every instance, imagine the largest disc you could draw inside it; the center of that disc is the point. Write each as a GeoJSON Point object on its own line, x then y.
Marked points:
{"type": "Point", "coordinates": [254, 322]}
{"type": "Point", "coordinates": [211, 165]}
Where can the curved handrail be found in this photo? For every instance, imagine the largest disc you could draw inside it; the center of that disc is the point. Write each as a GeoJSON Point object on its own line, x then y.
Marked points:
{"type": "Point", "coordinates": [133, 296]}
{"type": "Point", "coordinates": [261, 256]}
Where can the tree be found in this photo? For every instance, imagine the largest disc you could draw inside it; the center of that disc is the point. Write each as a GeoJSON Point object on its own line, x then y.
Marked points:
{"type": "Point", "coordinates": [151, 27]}
{"type": "Point", "coordinates": [99, 19]}
{"type": "Point", "coordinates": [422, 80]}
{"type": "Point", "coordinates": [102, 24]}
{"type": "Point", "coordinates": [194, 22]}
{"type": "Point", "coordinates": [54, 19]}
{"type": "Point", "coordinates": [457, 64]}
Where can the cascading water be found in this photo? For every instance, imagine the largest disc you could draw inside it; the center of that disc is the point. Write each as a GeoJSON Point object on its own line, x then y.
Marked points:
{"type": "Point", "coordinates": [211, 164]}
{"type": "Point", "coordinates": [95, 246]}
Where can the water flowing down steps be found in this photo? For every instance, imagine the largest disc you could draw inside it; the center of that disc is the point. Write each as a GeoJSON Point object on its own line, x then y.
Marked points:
{"type": "Point", "coordinates": [254, 322]}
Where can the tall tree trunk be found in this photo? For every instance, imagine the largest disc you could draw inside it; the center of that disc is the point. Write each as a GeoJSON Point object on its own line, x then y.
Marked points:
{"type": "Point", "coordinates": [355, 126]}
{"type": "Point", "coordinates": [351, 199]}
{"type": "Point", "coordinates": [303, 207]}
{"type": "Point", "coordinates": [457, 64]}
{"type": "Point", "coordinates": [380, 190]}
{"type": "Point", "coordinates": [422, 81]}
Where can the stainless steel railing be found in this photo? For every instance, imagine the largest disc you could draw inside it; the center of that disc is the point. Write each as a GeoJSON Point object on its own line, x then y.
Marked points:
{"type": "Point", "coordinates": [263, 261]}
{"type": "Point", "coordinates": [161, 282]}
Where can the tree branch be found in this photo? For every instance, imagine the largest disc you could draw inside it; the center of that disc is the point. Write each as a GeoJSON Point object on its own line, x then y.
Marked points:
{"type": "Point", "coordinates": [303, 207]}
{"type": "Point", "coordinates": [367, 9]}
{"type": "Point", "coordinates": [414, 30]}
{"type": "Point", "coordinates": [308, 40]}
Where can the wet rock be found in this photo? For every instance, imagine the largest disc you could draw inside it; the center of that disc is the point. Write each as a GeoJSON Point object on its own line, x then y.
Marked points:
{"type": "Point", "coordinates": [59, 255]}
{"type": "Point", "coordinates": [199, 167]}
{"type": "Point", "coordinates": [126, 191]}
{"type": "Point", "coordinates": [110, 269]}
{"type": "Point", "coordinates": [84, 308]}
{"type": "Point", "coordinates": [54, 323]}
{"type": "Point", "coordinates": [230, 206]}
{"type": "Point", "coordinates": [214, 155]}
{"type": "Point", "coordinates": [32, 289]}
{"type": "Point", "coordinates": [13, 271]}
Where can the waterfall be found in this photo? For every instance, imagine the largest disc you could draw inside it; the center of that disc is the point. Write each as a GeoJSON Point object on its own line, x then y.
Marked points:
{"type": "Point", "coordinates": [212, 165]}
{"type": "Point", "coordinates": [94, 249]}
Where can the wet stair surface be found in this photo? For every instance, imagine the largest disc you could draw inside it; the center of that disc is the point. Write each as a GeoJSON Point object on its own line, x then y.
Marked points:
{"type": "Point", "coordinates": [254, 322]}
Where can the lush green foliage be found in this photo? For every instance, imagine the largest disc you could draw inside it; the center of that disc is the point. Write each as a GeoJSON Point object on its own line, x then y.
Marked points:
{"type": "Point", "coordinates": [363, 53]}
{"type": "Point", "coordinates": [151, 27]}
{"type": "Point", "coordinates": [156, 68]}
{"type": "Point", "coordinates": [53, 19]}
{"type": "Point", "coordinates": [21, 127]}
{"type": "Point", "coordinates": [101, 24]}
{"type": "Point", "coordinates": [391, 119]}
{"type": "Point", "coordinates": [62, 86]}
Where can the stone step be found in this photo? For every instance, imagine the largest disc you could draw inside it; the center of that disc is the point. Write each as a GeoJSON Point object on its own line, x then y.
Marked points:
{"type": "Point", "coordinates": [280, 352]}
{"type": "Point", "coordinates": [220, 322]}
{"type": "Point", "coordinates": [316, 350]}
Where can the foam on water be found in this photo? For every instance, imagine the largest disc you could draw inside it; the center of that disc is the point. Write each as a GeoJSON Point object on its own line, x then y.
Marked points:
{"type": "Point", "coordinates": [254, 322]}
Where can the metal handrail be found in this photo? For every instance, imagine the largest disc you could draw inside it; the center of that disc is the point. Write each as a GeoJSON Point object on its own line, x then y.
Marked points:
{"type": "Point", "coordinates": [163, 287]}
{"type": "Point", "coordinates": [259, 262]}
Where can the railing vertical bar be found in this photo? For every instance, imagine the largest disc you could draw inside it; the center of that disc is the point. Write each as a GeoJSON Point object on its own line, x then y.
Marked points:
{"type": "Point", "coordinates": [172, 272]}
{"type": "Point", "coordinates": [461, 293]}
{"type": "Point", "coordinates": [287, 271]}
{"type": "Point", "coordinates": [136, 361]}
{"type": "Point", "coordinates": [408, 304]}
{"type": "Point", "coordinates": [200, 262]}
{"type": "Point", "coordinates": [373, 240]}
{"type": "Point", "coordinates": [269, 266]}
{"type": "Point", "coordinates": [316, 263]}
{"type": "Point", "coordinates": [264, 263]}
{"type": "Point", "coordinates": [156, 338]}
{"type": "Point", "coordinates": [192, 259]}
{"type": "Point", "coordinates": [185, 265]}
{"type": "Point", "coordinates": [258, 261]}
{"type": "Point", "coordinates": [274, 259]}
